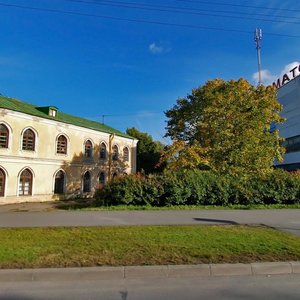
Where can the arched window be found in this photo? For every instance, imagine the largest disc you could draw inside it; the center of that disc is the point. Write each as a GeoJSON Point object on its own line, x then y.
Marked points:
{"type": "Point", "coordinates": [88, 149]}
{"type": "Point", "coordinates": [114, 175]}
{"type": "Point", "coordinates": [59, 182]}
{"type": "Point", "coordinates": [4, 135]}
{"type": "Point", "coordinates": [61, 147]}
{"type": "Point", "coordinates": [102, 178]}
{"type": "Point", "coordinates": [87, 182]}
{"type": "Point", "coordinates": [2, 183]}
{"type": "Point", "coordinates": [115, 152]}
{"type": "Point", "coordinates": [28, 142]}
{"type": "Point", "coordinates": [126, 154]}
{"type": "Point", "coordinates": [25, 183]}
{"type": "Point", "coordinates": [103, 151]}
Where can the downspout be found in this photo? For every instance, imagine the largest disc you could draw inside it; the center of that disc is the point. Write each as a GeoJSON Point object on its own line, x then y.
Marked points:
{"type": "Point", "coordinates": [110, 141]}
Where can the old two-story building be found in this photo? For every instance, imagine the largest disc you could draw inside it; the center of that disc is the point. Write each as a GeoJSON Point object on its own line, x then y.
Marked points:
{"type": "Point", "coordinates": [46, 154]}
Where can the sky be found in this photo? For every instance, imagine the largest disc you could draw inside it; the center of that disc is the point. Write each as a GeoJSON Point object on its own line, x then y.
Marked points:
{"type": "Point", "coordinates": [126, 62]}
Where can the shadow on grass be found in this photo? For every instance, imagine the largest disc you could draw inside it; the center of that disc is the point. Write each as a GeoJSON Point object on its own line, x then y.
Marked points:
{"type": "Point", "coordinates": [74, 204]}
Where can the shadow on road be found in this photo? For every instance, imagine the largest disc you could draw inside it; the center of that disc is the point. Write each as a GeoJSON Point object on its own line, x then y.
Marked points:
{"type": "Point", "coordinates": [216, 221]}
{"type": "Point", "coordinates": [17, 297]}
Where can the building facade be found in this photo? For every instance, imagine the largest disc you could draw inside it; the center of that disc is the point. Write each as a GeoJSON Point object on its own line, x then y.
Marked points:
{"type": "Point", "coordinates": [288, 95]}
{"type": "Point", "coordinates": [48, 155]}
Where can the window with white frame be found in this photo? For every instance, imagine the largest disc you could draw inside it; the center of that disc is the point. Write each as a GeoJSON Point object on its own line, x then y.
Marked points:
{"type": "Point", "coordinates": [25, 183]}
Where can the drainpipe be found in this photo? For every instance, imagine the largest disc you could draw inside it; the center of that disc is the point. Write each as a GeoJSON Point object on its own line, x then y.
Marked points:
{"type": "Point", "coordinates": [110, 141]}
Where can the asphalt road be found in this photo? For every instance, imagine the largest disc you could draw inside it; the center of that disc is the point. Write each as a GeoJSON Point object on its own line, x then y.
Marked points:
{"type": "Point", "coordinates": [276, 287]}
{"type": "Point", "coordinates": [282, 219]}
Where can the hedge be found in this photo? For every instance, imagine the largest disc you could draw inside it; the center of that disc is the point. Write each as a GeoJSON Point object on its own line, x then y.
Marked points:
{"type": "Point", "coordinates": [196, 187]}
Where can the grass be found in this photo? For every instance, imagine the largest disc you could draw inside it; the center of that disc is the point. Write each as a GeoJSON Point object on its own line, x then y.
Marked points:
{"type": "Point", "coordinates": [143, 245]}
{"type": "Point", "coordinates": [89, 205]}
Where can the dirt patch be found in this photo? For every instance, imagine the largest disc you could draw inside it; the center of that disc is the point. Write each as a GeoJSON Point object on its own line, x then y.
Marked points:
{"type": "Point", "coordinates": [46, 206]}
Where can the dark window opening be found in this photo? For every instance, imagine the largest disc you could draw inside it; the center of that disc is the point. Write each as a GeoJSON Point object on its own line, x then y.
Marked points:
{"type": "Point", "coordinates": [88, 149]}
{"type": "Point", "coordinates": [2, 183]}
{"type": "Point", "coordinates": [102, 178]}
{"type": "Point", "coordinates": [292, 144]}
{"type": "Point", "coordinates": [126, 154]}
{"type": "Point", "coordinates": [102, 151]}
{"type": "Point", "coordinates": [86, 182]}
{"type": "Point", "coordinates": [59, 182]}
{"type": "Point", "coordinates": [115, 153]}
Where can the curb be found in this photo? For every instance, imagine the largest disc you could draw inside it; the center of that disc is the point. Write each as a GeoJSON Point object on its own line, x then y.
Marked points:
{"type": "Point", "coordinates": [138, 272]}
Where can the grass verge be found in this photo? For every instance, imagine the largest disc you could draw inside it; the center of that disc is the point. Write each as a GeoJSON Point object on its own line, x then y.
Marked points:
{"type": "Point", "coordinates": [143, 245]}
{"type": "Point", "coordinates": [90, 205]}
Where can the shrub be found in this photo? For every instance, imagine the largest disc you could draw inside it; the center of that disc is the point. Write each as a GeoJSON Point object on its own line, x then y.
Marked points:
{"type": "Point", "coordinates": [196, 187]}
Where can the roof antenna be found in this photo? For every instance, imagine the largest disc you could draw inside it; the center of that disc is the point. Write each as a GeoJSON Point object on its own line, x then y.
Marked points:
{"type": "Point", "coordinates": [257, 39]}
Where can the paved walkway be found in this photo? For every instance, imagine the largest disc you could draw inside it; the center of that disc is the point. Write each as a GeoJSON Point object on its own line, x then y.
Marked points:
{"type": "Point", "coordinates": [44, 215]}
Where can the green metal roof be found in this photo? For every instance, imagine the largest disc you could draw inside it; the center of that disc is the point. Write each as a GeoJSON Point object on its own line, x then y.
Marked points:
{"type": "Point", "coordinates": [42, 112]}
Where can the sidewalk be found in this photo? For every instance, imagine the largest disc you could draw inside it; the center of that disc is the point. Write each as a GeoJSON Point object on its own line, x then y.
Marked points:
{"type": "Point", "coordinates": [135, 272]}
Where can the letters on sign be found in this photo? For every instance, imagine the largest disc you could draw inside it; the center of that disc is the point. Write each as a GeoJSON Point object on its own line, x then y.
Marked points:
{"type": "Point", "coordinates": [287, 77]}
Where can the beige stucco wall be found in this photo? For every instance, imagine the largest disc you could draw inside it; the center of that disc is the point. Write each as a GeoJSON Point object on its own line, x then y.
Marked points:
{"type": "Point", "coordinates": [44, 162]}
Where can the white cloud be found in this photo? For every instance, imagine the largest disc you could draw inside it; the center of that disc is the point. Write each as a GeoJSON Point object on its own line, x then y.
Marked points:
{"type": "Point", "coordinates": [289, 67]}
{"type": "Point", "coordinates": [160, 48]}
{"type": "Point", "coordinates": [268, 77]}
{"type": "Point", "coordinates": [153, 48]}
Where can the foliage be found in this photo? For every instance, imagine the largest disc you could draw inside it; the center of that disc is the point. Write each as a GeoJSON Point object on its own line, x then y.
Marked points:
{"type": "Point", "coordinates": [148, 151]}
{"type": "Point", "coordinates": [197, 187]}
{"type": "Point", "coordinates": [225, 126]}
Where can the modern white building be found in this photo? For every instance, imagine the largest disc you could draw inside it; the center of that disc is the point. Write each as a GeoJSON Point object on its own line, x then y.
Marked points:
{"type": "Point", "coordinates": [289, 96]}
{"type": "Point", "coordinates": [48, 155]}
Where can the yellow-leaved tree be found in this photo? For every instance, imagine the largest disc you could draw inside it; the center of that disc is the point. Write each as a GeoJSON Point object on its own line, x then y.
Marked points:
{"type": "Point", "coordinates": [225, 126]}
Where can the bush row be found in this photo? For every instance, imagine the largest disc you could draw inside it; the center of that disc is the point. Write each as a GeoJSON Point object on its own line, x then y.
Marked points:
{"type": "Point", "coordinates": [198, 187]}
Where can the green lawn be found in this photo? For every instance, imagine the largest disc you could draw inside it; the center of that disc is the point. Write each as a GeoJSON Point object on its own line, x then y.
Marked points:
{"type": "Point", "coordinates": [143, 245]}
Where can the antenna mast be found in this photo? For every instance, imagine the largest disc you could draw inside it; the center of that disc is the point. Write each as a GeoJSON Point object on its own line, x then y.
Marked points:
{"type": "Point", "coordinates": [257, 39]}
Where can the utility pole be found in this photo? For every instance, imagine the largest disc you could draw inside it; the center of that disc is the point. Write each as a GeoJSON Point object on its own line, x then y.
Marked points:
{"type": "Point", "coordinates": [257, 39]}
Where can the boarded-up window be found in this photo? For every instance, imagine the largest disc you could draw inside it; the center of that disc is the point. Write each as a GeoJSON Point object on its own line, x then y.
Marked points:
{"type": "Point", "coordinates": [4, 135]}
{"type": "Point", "coordinates": [61, 145]}
{"type": "Point", "coordinates": [28, 142]}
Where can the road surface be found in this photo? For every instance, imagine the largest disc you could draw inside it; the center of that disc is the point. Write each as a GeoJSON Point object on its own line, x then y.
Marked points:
{"type": "Point", "coordinates": [282, 219]}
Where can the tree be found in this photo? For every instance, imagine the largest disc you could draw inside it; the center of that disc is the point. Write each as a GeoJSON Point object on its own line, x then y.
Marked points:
{"type": "Point", "coordinates": [225, 126]}
{"type": "Point", "coordinates": [148, 151]}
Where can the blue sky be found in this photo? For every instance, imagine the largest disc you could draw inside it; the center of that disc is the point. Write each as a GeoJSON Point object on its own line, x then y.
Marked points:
{"type": "Point", "coordinates": [130, 60]}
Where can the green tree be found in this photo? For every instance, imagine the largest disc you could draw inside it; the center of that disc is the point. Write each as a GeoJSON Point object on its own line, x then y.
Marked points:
{"type": "Point", "coordinates": [148, 151]}
{"type": "Point", "coordinates": [225, 126]}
